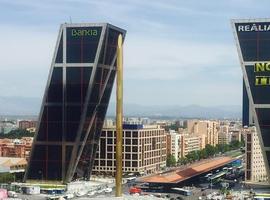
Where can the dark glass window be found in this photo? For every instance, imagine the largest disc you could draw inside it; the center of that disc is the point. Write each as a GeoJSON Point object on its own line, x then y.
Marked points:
{"type": "Point", "coordinates": [73, 115]}
{"type": "Point", "coordinates": [59, 55]}
{"type": "Point", "coordinates": [254, 44]}
{"type": "Point", "coordinates": [134, 163]}
{"type": "Point", "coordinates": [51, 124]}
{"type": "Point", "coordinates": [245, 107]}
{"type": "Point", "coordinates": [96, 163]}
{"type": "Point", "coordinates": [101, 75]}
{"type": "Point", "coordinates": [109, 163]}
{"type": "Point", "coordinates": [128, 141]}
{"type": "Point", "coordinates": [55, 130]}
{"type": "Point", "coordinates": [248, 146]}
{"type": "Point", "coordinates": [109, 148]}
{"type": "Point", "coordinates": [54, 153]}
{"type": "Point", "coordinates": [248, 175]}
{"type": "Point", "coordinates": [109, 141]}
{"type": "Point", "coordinates": [134, 141]}
{"type": "Point", "coordinates": [127, 163]}
{"type": "Point", "coordinates": [55, 89]}
{"type": "Point", "coordinates": [77, 83]}
{"type": "Point", "coordinates": [135, 134]}
{"type": "Point", "coordinates": [39, 152]}
{"type": "Point", "coordinates": [68, 155]}
{"type": "Point", "coordinates": [248, 137]}
{"type": "Point", "coordinates": [128, 148]}
{"type": "Point", "coordinates": [37, 170]}
{"type": "Point", "coordinates": [107, 93]}
{"type": "Point", "coordinates": [82, 44]}
{"type": "Point", "coordinates": [127, 156]}
{"type": "Point", "coordinates": [134, 156]}
{"type": "Point", "coordinates": [109, 155]}
{"type": "Point", "coordinates": [128, 134]}
{"type": "Point", "coordinates": [154, 143]}
{"type": "Point", "coordinates": [102, 52]}
{"type": "Point", "coordinates": [95, 94]}
{"type": "Point", "coordinates": [135, 149]}
{"type": "Point", "coordinates": [71, 130]}
{"type": "Point", "coordinates": [103, 133]}
{"type": "Point", "coordinates": [268, 156]}
{"type": "Point", "coordinates": [264, 48]}
{"type": "Point", "coordinates": [102, 163]}
{"type": "Point", "coordinates": [109, 134]}
{"type": "Point", "coordinates": [264, 122]}
{"type": "Point", "coordinates": [248, 48]}
{"type": "Point", "coordinates": [102, 148]}
{"type": "Point", "coordinates": [111, 46]}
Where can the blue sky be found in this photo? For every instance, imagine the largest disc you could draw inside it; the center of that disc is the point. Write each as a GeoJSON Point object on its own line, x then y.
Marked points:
{"type": "Point", "coordinates": [176, 52]}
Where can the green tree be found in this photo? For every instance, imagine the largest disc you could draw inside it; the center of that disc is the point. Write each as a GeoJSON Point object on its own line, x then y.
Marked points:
{"type": "Point", "coordinates": [17, 133]}
{"type": "Point", "coordinates": [171, 161]}
{"type": "Point", "coordinates": [6, 177]}
{"type": "Point", "coordinates": [183, 161]}
{"type": "Point", "coordinates": [210, 150]}
{"type": "Point", "coordinates": [202, 154]}
{"type": "Point", "coordinates": [236, 144]}
{"type": "Point", "coordinates": [193, 156]}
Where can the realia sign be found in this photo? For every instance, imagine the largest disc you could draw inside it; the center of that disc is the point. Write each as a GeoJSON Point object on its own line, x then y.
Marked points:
{"type": "Point", "coordinates": [253, 27]}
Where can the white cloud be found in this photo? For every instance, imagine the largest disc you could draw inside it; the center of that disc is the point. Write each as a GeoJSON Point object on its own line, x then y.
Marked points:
{"type": "Point", "coordinates": [157, 48]}
{"type": "Point", "coordinates": [161, 58]}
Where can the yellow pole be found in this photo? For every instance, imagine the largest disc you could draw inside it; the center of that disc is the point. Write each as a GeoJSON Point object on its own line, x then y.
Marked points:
{"type": "Point", "coordinates": [119, 117]}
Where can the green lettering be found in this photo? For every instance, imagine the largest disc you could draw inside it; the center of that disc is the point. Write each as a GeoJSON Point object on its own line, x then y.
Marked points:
{"type": "Point", "coordinates": [262, 80]}
{"type": "Point", "coordinates": [267, 66]}
{"type": "Point", "coordinates": [73, 32]}
{"type": "Point", "coordinates": [91, 32]}
{"type": "Point", "coordinates": [259, 67]}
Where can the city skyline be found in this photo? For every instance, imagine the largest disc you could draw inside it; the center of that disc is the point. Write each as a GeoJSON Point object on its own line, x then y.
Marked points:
{"type": "Point", "coordinates": [185, 52]}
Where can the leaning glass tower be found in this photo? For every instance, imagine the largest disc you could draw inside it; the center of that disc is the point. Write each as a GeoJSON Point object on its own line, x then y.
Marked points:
{"type": "Point", "coordinates": [75, 102]}
{"type": "Point", "coordinates": [253, 44]}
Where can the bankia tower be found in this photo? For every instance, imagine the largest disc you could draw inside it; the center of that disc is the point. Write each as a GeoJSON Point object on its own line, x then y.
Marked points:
{"type": "Point", "coordinates": [75, 102]}
{"type": "Point", "coordinates": [253, 45]}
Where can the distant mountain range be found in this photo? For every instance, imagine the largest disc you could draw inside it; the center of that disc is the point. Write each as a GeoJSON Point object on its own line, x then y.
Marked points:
{"type": "Point", "coordinates": [191, 111]}
{"type": "Point", "coordinates": [31, 106]}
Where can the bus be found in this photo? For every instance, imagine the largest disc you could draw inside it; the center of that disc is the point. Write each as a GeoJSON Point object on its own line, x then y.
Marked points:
{"type": "Point", "coordinates": [260, 196]}
{"type": "Point", "coordinates": [131, 179]}
{"type": "Point", "coordinates": [182, 191]}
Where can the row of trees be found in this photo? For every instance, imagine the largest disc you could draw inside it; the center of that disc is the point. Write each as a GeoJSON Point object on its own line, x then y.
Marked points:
{"type": "Point", "coordinates": [17, 133]}
{"type": "Point", "coordinates": [207, 152]}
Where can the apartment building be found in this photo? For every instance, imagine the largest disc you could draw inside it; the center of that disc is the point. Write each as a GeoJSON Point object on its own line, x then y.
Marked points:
{"type": "Point", "coordinates": [144, 149]}
{"type": "Point", "coordinates": [190, 143]}
{"type": "Point", "coordinates": [174, 144]}
{"type": "Point", "coordinates": [19, 148]}
{"type": "Point", "coordinates": [255, 165]}
{"type": "Point", "coordinates": [25, 124]}
{"type": "Point", "coordinates": [204, 127]}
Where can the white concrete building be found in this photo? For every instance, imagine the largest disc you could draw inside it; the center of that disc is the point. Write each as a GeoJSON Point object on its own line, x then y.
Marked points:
{"type": "Point", "coordinates": [174, 144]}
{"type": "Point", "coordinates": [255, 166]}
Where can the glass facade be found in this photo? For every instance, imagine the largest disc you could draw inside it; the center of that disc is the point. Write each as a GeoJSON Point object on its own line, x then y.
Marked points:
{"type": "Point", "coordinates": [75, 102]}
{"type": "Point", "coordinates": [245, 107]}
{"type": "Point", "coordinates": [253, 42]}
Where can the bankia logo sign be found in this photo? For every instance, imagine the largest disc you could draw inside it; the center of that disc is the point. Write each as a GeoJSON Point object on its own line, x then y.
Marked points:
{"type": "Point", "coordinates": [83, 32]}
